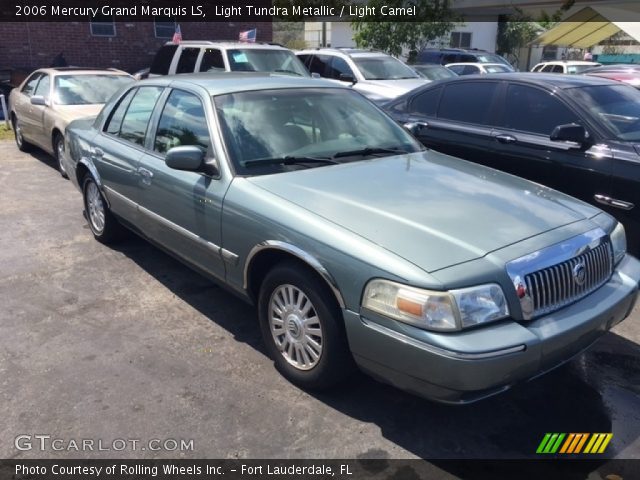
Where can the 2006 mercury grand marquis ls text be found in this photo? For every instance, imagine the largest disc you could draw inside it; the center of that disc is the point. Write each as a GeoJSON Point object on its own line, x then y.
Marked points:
{"type": "Point", "coordinates": [358, 246]}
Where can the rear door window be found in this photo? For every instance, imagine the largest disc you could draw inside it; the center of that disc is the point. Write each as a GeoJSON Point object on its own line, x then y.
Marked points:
{"type": "Point", "coordinates": [187, 62]}
{"type": "Point", "coordinates": [426, 103]}
{"type": "Point", "coordinates": [467, 102]}
{"type": "Point", "coordinates": [319, 64]}
{"type": "Point", "coordinates": [162, 60]}
{"type": "Point", "coordinates": [211, 60]}
{"type": "Point", "coordinates": [547, 68]}
{"type": "Point", "coordinates": [136, 119]}
{"type": "Point", "coordinates": [30, 85]}
{"type": "Point", "coordinates": [558, 69]}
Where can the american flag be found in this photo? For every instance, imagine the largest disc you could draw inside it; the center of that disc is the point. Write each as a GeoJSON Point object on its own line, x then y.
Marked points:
{"type": "Point", "coordinates": [249, 35]}
{"type": "Point", "coordinates": [177, 36]}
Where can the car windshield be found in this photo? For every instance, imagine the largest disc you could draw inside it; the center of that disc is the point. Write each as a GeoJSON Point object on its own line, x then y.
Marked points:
{"type": "Point", "coordinates": [383, 68]}
{"type": "Point", "coordinates": [578, 68]}
{"type": "Point", "coordinates": [264, 60]}
{"type": "Point", "coordinates": [491, 58]}
{"type": "Point", "coordinates": [497, 69]}
{"type": "Point", "coordinates": [270, 131]}
{"type": "Point", "coordinates": [434, 72]}
{"type": "Point", "coordinates": [617, 106]}
{"type": "Point", "coordinates": [87, 89]}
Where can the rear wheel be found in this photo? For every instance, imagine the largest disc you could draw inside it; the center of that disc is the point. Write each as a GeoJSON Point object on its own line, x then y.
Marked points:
{"type": "Point", "coordinates": [21, 143]}
{"type": "Point", "coordinates": [104, 226]}
{"type": "Point", "coordinates": [301, 327]}
{"type": "Point", "coordinates": [58, 152]}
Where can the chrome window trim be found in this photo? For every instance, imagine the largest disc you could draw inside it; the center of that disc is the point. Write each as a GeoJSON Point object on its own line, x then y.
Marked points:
{"type": "Point", "coordinates": [438, 350]}
{"type": "Point", "coordinates": [519, 268]}
{"type": "Point", "coordinates": [297, 252]}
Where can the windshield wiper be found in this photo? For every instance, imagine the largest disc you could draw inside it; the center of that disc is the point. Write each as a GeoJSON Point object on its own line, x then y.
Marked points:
{"type": "Point", "coordinates": [289, 160]}
{"type": "Point", "coordinates": [282, 70]}
{"type": "Point", "coordinates": [369, 151]}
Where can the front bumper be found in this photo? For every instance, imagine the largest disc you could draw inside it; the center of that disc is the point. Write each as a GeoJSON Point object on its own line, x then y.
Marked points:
{"type": "Point", "coordinates": [466, 366]}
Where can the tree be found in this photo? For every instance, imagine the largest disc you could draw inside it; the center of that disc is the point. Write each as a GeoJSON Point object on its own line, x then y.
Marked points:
{"type": "Point", "coordinates": [514, 32]}
{"type": "Point", "coordinates": [433, 19]}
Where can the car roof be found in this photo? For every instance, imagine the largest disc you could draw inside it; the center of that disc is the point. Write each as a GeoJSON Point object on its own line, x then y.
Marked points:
{"type": "Point", "coordinates": [568, 62]}
{"type": "Point", "coordinates": [222, 83]}
{"type": "Point", "coordinates": [347, 52]}
{"type": "Point", "coordinates": [230, 44]}
{"type": "Point", "coordinates": [477, 64]}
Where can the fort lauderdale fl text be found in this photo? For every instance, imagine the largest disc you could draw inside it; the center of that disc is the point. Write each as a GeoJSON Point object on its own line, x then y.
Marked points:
{"type": "Point", "coordinates": [217, 10]}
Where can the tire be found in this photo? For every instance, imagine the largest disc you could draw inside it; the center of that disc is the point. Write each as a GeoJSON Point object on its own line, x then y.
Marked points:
{"type": "Point", "coordinates": [58, 152]}
{"type": "Point", "coordinates": [104, 226]}
{"type": "Point", "coordinates": [21, 143]}
{"type": "Point", "coordinates": [304, 335]}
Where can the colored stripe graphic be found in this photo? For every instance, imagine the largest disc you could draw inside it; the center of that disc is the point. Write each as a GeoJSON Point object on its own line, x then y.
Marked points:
{"type": "Point", "coordinates": [573, 443]}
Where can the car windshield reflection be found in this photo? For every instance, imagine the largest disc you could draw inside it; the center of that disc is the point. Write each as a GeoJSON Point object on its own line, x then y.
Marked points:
{"type": "Point", "coordinates": [277, 130]}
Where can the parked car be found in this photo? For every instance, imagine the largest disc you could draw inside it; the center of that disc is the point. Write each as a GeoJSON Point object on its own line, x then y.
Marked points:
{"type": "Point", "coordinates": [564, 66]}
{"type": "Point", "coordinates": [577, 134]}
{"type": "Point", "coordinates": [478, 68]}
{"type": "Point", "coordinates": [433, 72]}
{"type": "Point", "coordinates": [49, 98]}
{"type": "Point", "coordinates": [444, 56]}
{"type": "Point", "coordinates": [439, 276]}
{"type": "Point", "coordinates": [629, 74]}
{"type": "Point", "coordinates": [215, 57]}
{"type": "Point", "coordinates": [376, 75]}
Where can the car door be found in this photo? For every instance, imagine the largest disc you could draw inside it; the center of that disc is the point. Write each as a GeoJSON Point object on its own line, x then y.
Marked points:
{"type": "Point", "coordinates": [41, 135]}
{"type": "Point", "coordinates": [24, 109]}
{"type": "Point", "coordinates": [521, 144]}
{"type": "Point", "coordinates": [181, 210]}
{"type": "Point", "coordinates": [119, 147]}
{"type": "Point", "coordinates": [463, 117]}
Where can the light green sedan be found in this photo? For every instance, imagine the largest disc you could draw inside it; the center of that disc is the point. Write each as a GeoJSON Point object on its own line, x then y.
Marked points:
{"type": "Point", "coordinates": [357, 246]}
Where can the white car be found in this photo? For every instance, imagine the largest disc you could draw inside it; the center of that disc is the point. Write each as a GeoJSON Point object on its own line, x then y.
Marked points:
{"type": "Point", "coordinates": [477, 68]}
{"type": "Point", "coordinates": [564, 66]}
{"type": "Point", "coordinates": [378, 76]}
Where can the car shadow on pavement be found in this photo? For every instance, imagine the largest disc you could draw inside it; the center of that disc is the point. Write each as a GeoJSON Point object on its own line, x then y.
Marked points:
{"type": "Point", "coordinates": [597, 392]}
{"type": "Point", "coordinates": [43, 157]}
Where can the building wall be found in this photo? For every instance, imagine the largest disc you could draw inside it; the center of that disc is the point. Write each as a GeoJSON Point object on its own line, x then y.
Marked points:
{"type": "Point", "coordinates": [26, 46]}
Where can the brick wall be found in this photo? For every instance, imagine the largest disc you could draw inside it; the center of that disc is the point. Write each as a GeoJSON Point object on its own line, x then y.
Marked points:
{"type": "Point", "coordinates": [27, 46]}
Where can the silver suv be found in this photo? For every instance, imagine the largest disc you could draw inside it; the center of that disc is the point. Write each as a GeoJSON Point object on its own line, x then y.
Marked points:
{"type": "Point", "coordinates": [378, 76]}
{"type": "Point", "coordinates": [206, 56]}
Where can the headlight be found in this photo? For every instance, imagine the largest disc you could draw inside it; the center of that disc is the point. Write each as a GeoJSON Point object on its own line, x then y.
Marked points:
{"type": "Point", "coordinates": [618, 243]}
{"type": "Point", "coordinates": [432, 310]}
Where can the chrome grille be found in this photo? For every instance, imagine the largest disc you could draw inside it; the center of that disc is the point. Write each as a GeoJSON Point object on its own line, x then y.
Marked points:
{"type": "Point", "coordinates": [558, 285]}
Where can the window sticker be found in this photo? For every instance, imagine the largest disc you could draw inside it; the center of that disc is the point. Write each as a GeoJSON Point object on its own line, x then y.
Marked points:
{"type": "Point", "coordinates": [240, 57]}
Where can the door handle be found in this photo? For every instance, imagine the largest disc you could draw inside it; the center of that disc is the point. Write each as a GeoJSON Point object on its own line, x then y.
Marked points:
{"type": "Point", "coordinates": [504, 138]}
{"type": "Point", "coordinates": [613, 202]}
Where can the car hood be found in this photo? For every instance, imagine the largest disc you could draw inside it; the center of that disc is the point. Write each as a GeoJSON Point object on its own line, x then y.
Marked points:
{"type": "Point", "coordinates": [428, 208]}
{"type": "Point", "coordinates": [389, 88]}
{"type": "Point", "coordinates": [71, 112]}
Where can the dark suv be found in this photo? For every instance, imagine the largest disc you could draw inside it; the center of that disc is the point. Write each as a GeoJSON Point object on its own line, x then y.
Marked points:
{"type": "Point", "coordinates": [577, 134]}
{"type": "Point", "coordinates": [443, 56]}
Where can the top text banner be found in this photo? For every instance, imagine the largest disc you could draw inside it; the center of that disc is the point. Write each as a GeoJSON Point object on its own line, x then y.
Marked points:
{"type": "Point", "coordinates": [213, 11]}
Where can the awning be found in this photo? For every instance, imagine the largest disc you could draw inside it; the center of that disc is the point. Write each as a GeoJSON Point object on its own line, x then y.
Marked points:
{"type": "Point", "coordinates": [591, 25]}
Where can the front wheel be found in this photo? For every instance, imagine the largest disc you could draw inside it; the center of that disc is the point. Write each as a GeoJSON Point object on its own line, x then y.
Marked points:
{"type": "Point", "coordinates": [58, 152]}
{"type": "Point", "coordinates": [104, 226]}
{"type": "Point", "coordinates": [302, 328]}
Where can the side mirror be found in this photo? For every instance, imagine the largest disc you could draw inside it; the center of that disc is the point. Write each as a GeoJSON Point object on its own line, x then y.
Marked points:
{"type": "Point", "coordinates": [571, 132]}
{"type": "Point", "coordinates": [39, 100]}
{"type": "Point", "coordinates": [415, 127]}
{"type": "Point", "coordinates": [345, 77]}
{"type": "Point", "coordinates": [187, 157]}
